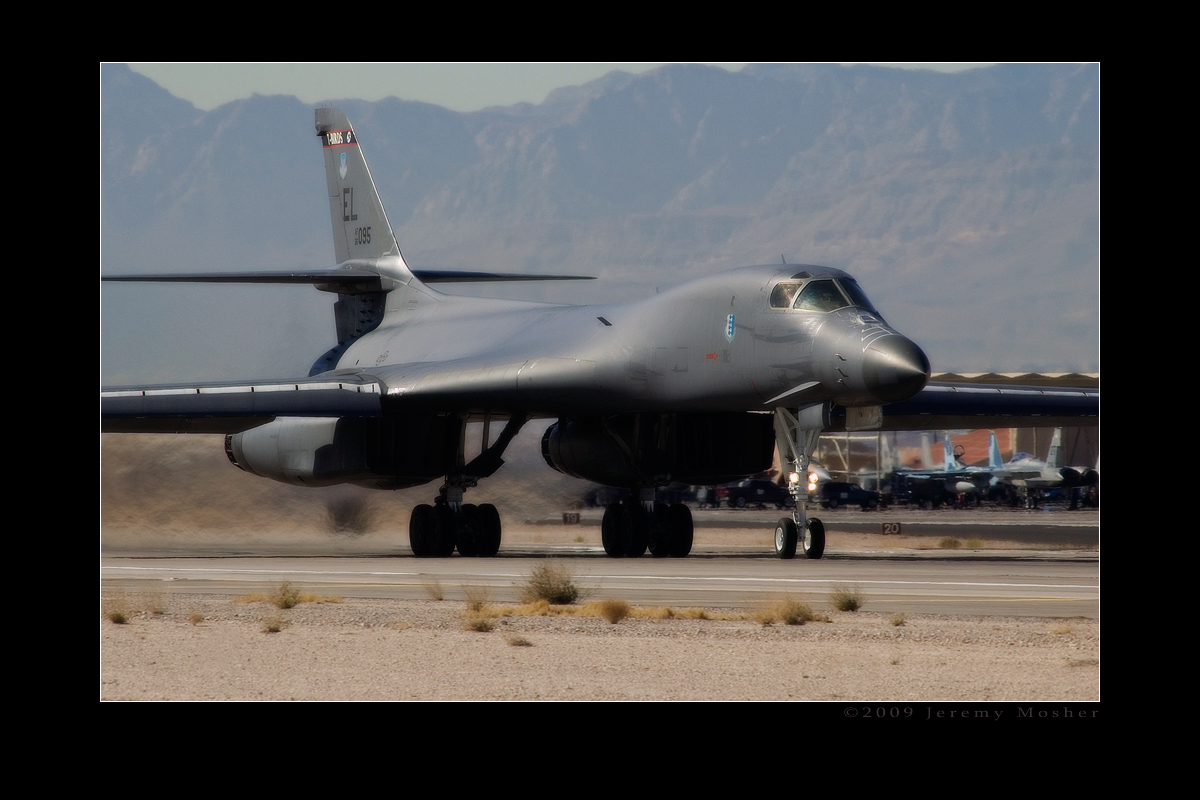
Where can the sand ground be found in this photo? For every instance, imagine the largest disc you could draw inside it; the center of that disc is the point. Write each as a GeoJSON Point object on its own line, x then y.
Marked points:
{"type": "Point", "coordinates": [208, 647]}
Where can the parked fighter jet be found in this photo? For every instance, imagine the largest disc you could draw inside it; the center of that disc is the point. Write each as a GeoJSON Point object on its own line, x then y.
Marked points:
{"type": "Point", "coordinates": [692, 385]}
{"type": "Point", "coordinates": [1032, 476]}
{"type": "Point", "coordinates": [931, 486]}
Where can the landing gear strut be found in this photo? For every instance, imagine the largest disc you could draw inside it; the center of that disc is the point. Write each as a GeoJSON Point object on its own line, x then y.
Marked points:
{"type": "Point", "coordinates": [796, 435]}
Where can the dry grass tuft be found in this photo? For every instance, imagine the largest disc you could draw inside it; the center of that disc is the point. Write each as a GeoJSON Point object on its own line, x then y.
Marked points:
{"type": "Point", "coordinates": [195, 618]}
{"type": "Point", "coordinates": [286, 595]}
{"type": "Point", "coordinates": [309, 597]}
{"type": "Point", "coordinates": [786, 610]}
{"type": "Point", "coordinates": [119, 607]}
{"type": "Point", "coordinates": [898, 619]}
{"type": "Point", "coordinates": [152, 602]}
{"type": "Point", "coordinates": [847, 598]}
{"type": "Point", "coordinates": [477, 623]}
{"type": "Point", "coordinates": [476, 597]}
{"type": "Point", "coordinates": [949, 543]}
{"type": "Point", "coordinates": [553, 582]}
{"type": "Point", "coordinates": [613, 610]}
{"type": "Point", "coordinates": [274, 624]}
{"type": "Point", "coordinates": [657, 612]}
{"type": "Point", "coordinates": [519, 641]}
{"type": "Point", "coordinates": [974, 543]}
{"type": "Point", "coordinates": [433, 588]}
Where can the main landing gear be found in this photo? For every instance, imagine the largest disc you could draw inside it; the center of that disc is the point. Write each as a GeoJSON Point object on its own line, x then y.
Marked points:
{"type": "Point", "coordinates": [630, 528]}
{"type": "Point", "coordinates": [436, 531]}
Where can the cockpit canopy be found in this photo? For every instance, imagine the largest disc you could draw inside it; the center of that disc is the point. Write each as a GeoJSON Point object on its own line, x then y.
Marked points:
{"type": "Point", "coordinates": [820, 294]}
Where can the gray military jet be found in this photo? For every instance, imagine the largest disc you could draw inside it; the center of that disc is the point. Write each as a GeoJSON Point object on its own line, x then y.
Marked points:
{"type": "Point", "coordinates": [1032, 477]}
{"type": "Point", "coordinates": [693, 385]}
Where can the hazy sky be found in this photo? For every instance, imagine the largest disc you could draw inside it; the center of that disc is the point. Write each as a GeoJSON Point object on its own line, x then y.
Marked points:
{"type": "Point", "coordinates": [460, 87]}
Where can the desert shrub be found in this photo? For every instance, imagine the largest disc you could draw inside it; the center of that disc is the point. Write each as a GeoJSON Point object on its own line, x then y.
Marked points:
{"type": "Point", "coordinates": [553, 582]}
{"type": "Point", "coordinates": [286, 596]}
{"type": "Point", "coordinates": [846, 598]}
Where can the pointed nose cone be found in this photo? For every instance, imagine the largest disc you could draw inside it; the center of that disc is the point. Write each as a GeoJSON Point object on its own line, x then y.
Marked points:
{"type": "Point", "coordinates": [894, 368]}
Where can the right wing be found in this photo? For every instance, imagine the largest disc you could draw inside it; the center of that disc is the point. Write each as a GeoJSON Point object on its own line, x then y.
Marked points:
{"type": "Point", "coordinates": [940, 406]}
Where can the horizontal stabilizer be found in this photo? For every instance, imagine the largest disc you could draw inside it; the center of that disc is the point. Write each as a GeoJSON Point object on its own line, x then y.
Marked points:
{"type": "Point", "coordinates": [342, 281]}
{"type": "Point", "coordinates": [426, 276]}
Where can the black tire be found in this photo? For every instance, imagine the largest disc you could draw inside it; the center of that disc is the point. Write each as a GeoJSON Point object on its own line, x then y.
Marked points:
{"type": "Point", "coordinates": [741, 502]}
{"type": "Point", "coordinates": [612, 535]}
{"type": "Point", "coordinates": [814, 538]}
{"type": "Point", "coordinates": [488, 543]}
{"type": "Point", "coordinates": [468, 531]}
{"type": "Point", "coordinates": [679, 519]}
{"type": "Point", "coordinates": [659, 536]}
{"type": "Point", "coordinates": [447, 530]}
{"type": "Point", "coordinates": [637, 533]}
{"type": "Point", "coordinates": [422, 531]}
{"type": "Point", "coordinates": [786, 536]}
{"type": "Point", "coordinates": [833, 503]}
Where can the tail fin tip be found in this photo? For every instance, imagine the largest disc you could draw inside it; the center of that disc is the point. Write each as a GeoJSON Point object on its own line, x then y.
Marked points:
{"type": "Point", "coordinates": [360, 225]}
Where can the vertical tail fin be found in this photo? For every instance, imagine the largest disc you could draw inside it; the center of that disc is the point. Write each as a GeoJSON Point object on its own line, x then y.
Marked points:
{"type": "Point", "coordinates": [1054, 459]}
{"type": "Point", "coordinates": [951, 463]}
{"type": "Point", "coordinates": [360, 225]}
{"type": "Point", "coordinates": [994, 461]}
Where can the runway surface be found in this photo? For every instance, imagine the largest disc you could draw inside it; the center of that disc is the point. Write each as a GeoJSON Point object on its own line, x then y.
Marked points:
{"type": "Point", "coordinates": [1009, 582]}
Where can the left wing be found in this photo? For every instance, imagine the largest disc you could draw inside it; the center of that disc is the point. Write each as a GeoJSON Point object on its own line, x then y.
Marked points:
{"type": "Point", "coordinates": [235, 406]}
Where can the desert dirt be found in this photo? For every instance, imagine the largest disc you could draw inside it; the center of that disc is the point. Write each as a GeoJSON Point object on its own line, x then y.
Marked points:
{"type": "Point", "coordinates": [206, 647]}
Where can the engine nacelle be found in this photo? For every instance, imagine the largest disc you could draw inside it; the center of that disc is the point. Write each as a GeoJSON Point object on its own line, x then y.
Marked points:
{"type": "Point", "coordinates": [1074, 477]}
{"type": "Point", "coordinates": [640, 449]}
{"type": "Point", "coordinates": [389, 453]}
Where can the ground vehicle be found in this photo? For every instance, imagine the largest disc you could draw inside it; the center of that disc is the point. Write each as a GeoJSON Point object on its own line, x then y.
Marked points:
{"type": "Point", "coordinates": [753, 493]}
{"type": "Point", "coordinates": [833, 494]}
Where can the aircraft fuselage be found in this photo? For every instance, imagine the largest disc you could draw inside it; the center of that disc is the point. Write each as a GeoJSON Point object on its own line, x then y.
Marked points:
{"type": "Point", "coordinates": [713, 344]}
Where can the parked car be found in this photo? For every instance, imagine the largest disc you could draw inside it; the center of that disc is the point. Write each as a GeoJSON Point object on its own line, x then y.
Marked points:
{"type": "Point", "coordinates": [753, 493]}
{"type": "Point", "coordinates": [833, 494]}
